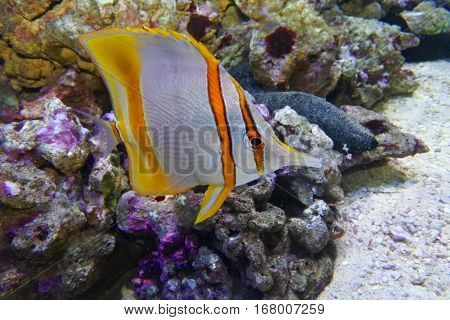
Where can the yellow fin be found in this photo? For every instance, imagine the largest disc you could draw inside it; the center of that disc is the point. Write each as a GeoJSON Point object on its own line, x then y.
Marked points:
{"type": "Point", "coordinates": [116, 53]}
{"type": "Point", "coordinates": [214, 198]}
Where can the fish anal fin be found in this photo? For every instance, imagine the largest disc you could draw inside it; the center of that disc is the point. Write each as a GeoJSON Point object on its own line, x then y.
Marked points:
{"type": "Point", "coordinates": [214, 198]}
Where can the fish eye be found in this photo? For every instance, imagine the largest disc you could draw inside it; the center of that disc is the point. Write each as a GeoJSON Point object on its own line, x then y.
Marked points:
{"type": "Point", "coordinates": [256, 142]}
{"type": "Point", "coordinates": [252, 140]}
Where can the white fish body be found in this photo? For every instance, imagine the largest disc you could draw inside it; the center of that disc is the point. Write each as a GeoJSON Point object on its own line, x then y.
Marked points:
{"type": "Point", "coordinates": [184, 120]}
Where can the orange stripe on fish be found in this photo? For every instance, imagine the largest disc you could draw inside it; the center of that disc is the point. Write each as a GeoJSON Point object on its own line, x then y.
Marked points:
{"type": "Point", "coordinates": [115, 131]}
{"type": "Point", "coordinates": [251, 129]}
{"type": "Point", "coordinates": [220, 115]}
{"type": "Point", "coordinates": [218, 108]}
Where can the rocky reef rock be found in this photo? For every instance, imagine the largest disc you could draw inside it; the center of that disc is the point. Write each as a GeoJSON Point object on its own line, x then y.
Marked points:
{"type": "Point", "coordinates": [391, 142]}
{"type": "Point", "coordinates": [294, 48]}
{"type": "Point", "coordinates": [66, 213]}
{"type": "Point", "coordinates": [186, 263]}
{"type": "Point", "coordinates": [107, 181]}
{"type": "Point", "coordinates": [50, 245]}
{"type": "Point", "coordinates": [8, 97]}
{"type": "Point", "coordinates": [61, 139]}
{"type": "Point", "coordinates": [79, 263]}
{"type": "Point", "coordinates": [23, 185]}
{"type": "Point", "coordinates": [58, 138]}
{"type": "Point", "coordinates": [307, 183]}
{"type": "Point", "coordinates": [303, 45]}
{"type": "Point", "coordinates": [40, 238]}
{"type": "Point", "coordinates": [315, 48]}
{"type": "Point", "coordinates": [176, 267]}
{"type": "Point", "coordinates": [265, 253]}
{"type": "Point", "coordinates": [427, 19]}
{"type": "Point", "coordinates": [371, 61]}
{"type": "Point", "coordinates": [371, 9]}
{"type": "Point", "coordinates": [40, 38]}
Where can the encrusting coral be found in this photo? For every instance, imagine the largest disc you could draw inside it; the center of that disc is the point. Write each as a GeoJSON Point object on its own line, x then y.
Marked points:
{"type": "Point", "coordinates": [427, 19]}
{"type": "Point", "coordinates": [370, 61]}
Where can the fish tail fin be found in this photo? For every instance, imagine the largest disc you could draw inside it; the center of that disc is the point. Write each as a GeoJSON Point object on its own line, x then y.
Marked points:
{"type": "Point", "coordinates": [214, 198]}
{"type": "Point", "coordinates": [106, 136]}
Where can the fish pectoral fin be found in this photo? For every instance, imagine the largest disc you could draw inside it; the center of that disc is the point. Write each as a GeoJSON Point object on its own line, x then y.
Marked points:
{"type": "Point", "coordinates": [214, 198]}
{"type": "Point", "coordinates": [105, 132]}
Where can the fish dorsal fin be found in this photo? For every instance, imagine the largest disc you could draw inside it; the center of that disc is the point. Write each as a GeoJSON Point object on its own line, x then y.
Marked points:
{"type": "Point", "coordinates": [187, 38]}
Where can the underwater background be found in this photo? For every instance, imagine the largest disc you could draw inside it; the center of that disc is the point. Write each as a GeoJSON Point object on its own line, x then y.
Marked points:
{"type": "Point", "coordinates": [70, 227]}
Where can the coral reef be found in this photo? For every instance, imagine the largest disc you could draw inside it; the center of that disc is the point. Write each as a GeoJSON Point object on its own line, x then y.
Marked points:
{"type": "Point", "coordinates": [302, 45]}
{"type": "Point", "coordinates": [371, 9]}
{"type": "Point", "coordinates": [40, 39]}
{"type": "Point", "coordinates": [58, 138]}
{"type": "Point", "coordinates": [54, 238]}
{"type": "Point", "coordinates": [255, 238]}
{"type": "Point", "coordinates": [294, 49]}
{"type": "Point", "coordinates": [317, 49]}
{"type": "Point", "coordinates": [308, 183]}
{"type": "Point", "coordinates": [24, 185]}
{"type": "Point", "coordinates": [66, 211]}
{"type": "Point", "coordinates": [391, 142]}
{"type": "Point", "coordinates": [61, 139]}
{"type": "Point", "coordinates": [371, 62]}
{"type": "Point", "coordinates": [261, 246]}
{"type": "Point", "coordinates": [58, 207]}
{"type": "Point", "coordinates": [426, 19]}
{"type": "Point", "coordinates": [8, 97]}
{"type": "Point", "coordinates": [177, 268]}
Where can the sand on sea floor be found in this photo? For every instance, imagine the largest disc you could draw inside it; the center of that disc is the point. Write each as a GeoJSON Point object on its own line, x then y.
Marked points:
{"type": "Point", "coordinates": [397, 213]}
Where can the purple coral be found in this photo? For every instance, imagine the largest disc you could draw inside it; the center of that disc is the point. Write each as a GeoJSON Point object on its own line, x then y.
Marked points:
{"type": "Point", "coordinates": [62, 140]}
{"type": "Point", "coordinates": [175, 267]}
{"type": "Point", "coordinates": [180, 270]}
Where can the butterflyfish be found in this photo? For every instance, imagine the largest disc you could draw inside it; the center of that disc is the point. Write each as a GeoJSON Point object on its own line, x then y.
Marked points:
{"type": "Point", "coordinates": [184, 120]}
